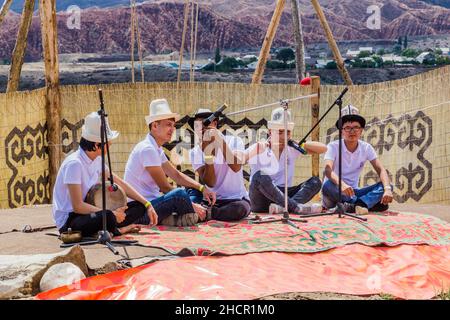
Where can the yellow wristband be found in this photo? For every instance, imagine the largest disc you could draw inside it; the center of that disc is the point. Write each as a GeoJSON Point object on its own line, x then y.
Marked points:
{"type": "Point", "coordinates": [148, 204]}
{"type": "Point", "coordinates": [209, 159]}
{"type": "Point", "coordinates": [202, 187]}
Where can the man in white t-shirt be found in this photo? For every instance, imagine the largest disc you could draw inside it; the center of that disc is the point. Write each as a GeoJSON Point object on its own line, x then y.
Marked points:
{"type": "Point", "coordinates": [267, 164]}
{"type": "Point", "coordinates": [355, 153]}
{"type": "Point", "coordinates": [147, 170]}
{"type": "Point", "coordinates": [219, 168]}
{"type": "Point", "coordinates": [78, 173]}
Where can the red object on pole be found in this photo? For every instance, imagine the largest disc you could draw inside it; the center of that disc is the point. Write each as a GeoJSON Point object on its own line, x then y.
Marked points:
{"type": "Point", "coordinates": [305, 81]}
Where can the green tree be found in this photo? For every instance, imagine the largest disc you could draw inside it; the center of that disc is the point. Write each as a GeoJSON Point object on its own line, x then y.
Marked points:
{"type": "Point", "coordinates": [217, 56]}
{"type": "Point", "coordinates": [285, 54]}
{"type": "Point", "coordinates": [364, 54]}
{"type": "Point", "coordinates": [331, 65]}
{"type": "Point", "coordinates": [399, 41]}
{"type": "Point", "coordinates": [410, 53]}
{"type": "Point", "coordinates": [274, 64]}
{"type": "Point", "coordinates": [438, 51]}
{"type": "Point", "coordinates": [381, 52]}
{"type": "Point", "coordinates": [405, 42]}
{"type": "Point", "coordinates": [397, 49]}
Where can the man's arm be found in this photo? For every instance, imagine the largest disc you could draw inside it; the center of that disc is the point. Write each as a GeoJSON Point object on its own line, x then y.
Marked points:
{"type": "Point", "coordinates": [214, 135]}
{"type": "Point", "coordinates": [207, 174]}
{"type": "Point", "coordinates": [78, 204]}
{"type": "Point", "coordinates": [334, 178]}
{"type": "Point", "coordinates": [129, 190]}
{"type": "Point", "coordinates": [157, 173]}
{"type": "Point", "coordinates": [384, 177]}
{"type": "Point", "coordinates": [185, 181]}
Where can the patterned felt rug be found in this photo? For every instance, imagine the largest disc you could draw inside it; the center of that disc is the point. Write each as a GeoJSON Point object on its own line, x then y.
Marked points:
{"type": "Point", "coordinates": [318, 234]}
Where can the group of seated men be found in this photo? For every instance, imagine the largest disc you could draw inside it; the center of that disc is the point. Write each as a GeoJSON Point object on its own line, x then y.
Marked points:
{"type": "Point", "coordinates": [218, 160]}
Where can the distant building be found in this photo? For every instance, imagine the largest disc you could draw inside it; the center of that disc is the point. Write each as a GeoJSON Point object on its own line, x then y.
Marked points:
{"type": "Point", "coordinates": [392, 58]}
{"type": "Point", "coordinates": [367, 49]}
{"type": "Point", "coordinates": [352, 53]}
{"type": "Point", "coordinates": [322, 63]}
{"type": "Point", "coordinates": [445, 51]}
{"type": "Point", "coordinates": [424, 57]}
{"type": "Point", "coordinates": [249, 57]}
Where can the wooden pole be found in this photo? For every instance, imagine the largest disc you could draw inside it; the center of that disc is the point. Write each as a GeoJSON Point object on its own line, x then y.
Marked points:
{"type": "Point", "coordinates": [132, 40]}
{"type": "Point", "coordinates": [271, 30]}
{"type": "Point", "coordinates": [195, 41]}
{"type": "Point", "coordinates": [47, 12]}
{"type": "Point", "coordinates": [315, 135]}
{"type": "Point", "coordinates": [299, 42]}
{"type": "Point", "coordinates": [4, 10]}
{"type": "Point", "coordinates": [20, 47]}
{"type": "Point", "coordinates": [183, 38]}
{"type": "Point", "coordinates": [139, 43]}
{"type": "Point", "coordinates": [332, 43]}
{"type": "Point", "coordinates": [191, 50]}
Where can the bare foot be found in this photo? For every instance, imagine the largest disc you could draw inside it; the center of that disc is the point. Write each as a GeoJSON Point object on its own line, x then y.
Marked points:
{"type": "Point", "coordinates": [132, 228]}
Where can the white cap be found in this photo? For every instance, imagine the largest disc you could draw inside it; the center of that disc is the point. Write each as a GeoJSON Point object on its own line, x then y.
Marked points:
{"type": "Point", "coordinates": [277, 120]}
{"type": "Point", "coordinates": [159, 110]}
{"type": "Point", "coordinates": [91, 128]}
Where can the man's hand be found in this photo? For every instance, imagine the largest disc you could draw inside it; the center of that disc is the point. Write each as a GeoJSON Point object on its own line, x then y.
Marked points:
{"type": "Point", "coordinates": [120, 215]}
{"type": "Point", "coordinates": [261, 146]}
{"type": "Point", "coordinates": [200, 210]}
{"type": "Point", "coordinates": [152, 216]}
{"type": "Point", "coordinates": [387, 196]}
{"type": "Point", "coordinates": [347, 190]}
{"type": "Point", "coordinates": [210, 196]}
{"type": "Point", "coordinates": [210, 135]}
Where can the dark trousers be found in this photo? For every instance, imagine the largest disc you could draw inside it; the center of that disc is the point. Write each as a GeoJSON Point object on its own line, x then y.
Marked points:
{"type": "Point", "coordinates": [224, 210]}
{"type": "Point", "coordinates": [90, 224]}
{"type": "Point", "coordinates": [263, 192]}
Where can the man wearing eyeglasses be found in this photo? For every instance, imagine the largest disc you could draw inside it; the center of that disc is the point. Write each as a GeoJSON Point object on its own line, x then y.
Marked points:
{"type": "Point", "coordinates": [355, 153]}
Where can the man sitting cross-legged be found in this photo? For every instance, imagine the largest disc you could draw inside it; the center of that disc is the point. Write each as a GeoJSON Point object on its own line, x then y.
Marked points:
{"type": "Point", "coordinates": [267, 180]}
{"type": "Point", "coordinates": [355, 153]}
{"type": "Point", "coordinates": [147, 169]}
{"type": "Point", "coordinates": [78, 173]}
{"type": "Point", "coordinates": [219, 168]}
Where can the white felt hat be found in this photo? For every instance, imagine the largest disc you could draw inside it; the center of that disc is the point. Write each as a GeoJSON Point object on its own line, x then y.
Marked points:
{"type": "Point", "coordinates": [277, 120]}
{"type": "Point", "coordinates": [91, 128]}
{"type": "Point", "coordinates": [159, 110]}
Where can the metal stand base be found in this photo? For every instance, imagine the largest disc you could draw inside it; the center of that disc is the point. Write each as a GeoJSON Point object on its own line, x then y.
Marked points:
{"type": "Point", "coordinates": [103, 238]}
{"type": "Point", "coordinates": [340, 211]}
{"type": "Point", "coordinates": [285, 219]}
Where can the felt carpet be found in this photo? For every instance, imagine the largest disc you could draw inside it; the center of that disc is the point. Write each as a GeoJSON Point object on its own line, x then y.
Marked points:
{"type": "Point", "coordinates": [318, 234]}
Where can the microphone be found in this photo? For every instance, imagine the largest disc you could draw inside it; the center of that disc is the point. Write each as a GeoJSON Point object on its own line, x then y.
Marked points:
{"type": "Point", "coordinates": [294, 145]}
{"type": "Point", "coordinates": [215, 115]}
{"type": "Point", "coordinates": [113, 187]}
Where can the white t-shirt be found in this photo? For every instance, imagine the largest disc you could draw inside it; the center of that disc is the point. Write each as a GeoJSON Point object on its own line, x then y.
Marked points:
{"type": "Point", "coordinates": [268, 164]}
{"type": "Point", "coordinates": [352, 162]}
{"type": "Point", "coordinates": [77, 168]}
{"type": "Point", "coordinates": [146, 153]}
{"type": "Point", "coordinates": [229, 184]}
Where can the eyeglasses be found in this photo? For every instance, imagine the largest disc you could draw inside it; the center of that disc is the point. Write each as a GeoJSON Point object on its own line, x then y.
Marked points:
{"type": "Point", "coordinates": [350, 129]}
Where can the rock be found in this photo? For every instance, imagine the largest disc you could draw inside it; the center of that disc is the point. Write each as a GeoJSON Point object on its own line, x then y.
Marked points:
{"type": "Point", "coordinates": [20, 275]}
{"type": "Point", "coordinates": [59, 275]}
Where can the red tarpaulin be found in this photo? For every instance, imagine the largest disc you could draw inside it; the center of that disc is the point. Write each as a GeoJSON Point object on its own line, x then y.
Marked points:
{"type": "Point", "coordinates": [405, 271]}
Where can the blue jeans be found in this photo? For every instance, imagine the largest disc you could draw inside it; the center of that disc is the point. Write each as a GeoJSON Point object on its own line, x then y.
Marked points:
{"type": "Point", "coordinates": [176, 200]}
{"type": "Point", "coordinates": [226, 209]}
{"type": "Point", "coordinates": [263, 192]}
{"type": "Point", "coordinates": [370, 195]}
{"type": "Point", "coordinates": [195, 195]}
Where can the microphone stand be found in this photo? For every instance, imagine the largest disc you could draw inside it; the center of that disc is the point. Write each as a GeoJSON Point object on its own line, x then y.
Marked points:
{"type": "Point", "coordinates": [104, 236]}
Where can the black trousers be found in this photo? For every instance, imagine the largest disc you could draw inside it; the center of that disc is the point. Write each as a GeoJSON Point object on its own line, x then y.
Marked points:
{"type": "Point", "coordinates": [90, 224]}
